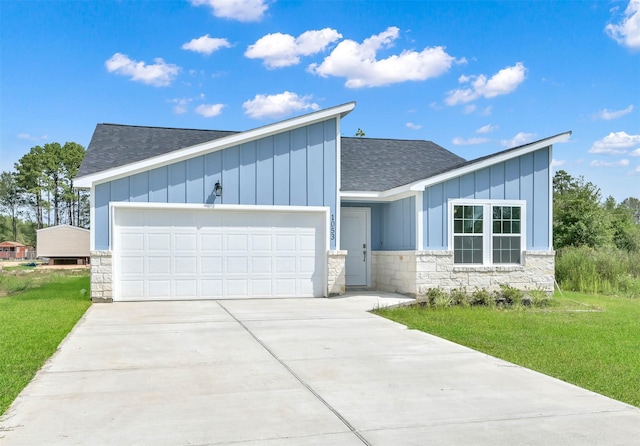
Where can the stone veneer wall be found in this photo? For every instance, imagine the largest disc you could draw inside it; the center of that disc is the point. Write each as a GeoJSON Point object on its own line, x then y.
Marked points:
{"type": "Point", "coordinates": [336, 274]}
{"type": "Point", "coordinates": [414, 272]}
{"type": "Point", "coordinates": [101, 276]}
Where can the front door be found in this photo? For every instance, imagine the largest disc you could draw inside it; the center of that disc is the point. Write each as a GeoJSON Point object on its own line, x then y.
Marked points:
{"type": "Point", "coordinates": [354, 238]}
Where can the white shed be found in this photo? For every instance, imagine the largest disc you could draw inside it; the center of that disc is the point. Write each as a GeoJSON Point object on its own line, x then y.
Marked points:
{"type": "Point", "coordinates": [64, 244]}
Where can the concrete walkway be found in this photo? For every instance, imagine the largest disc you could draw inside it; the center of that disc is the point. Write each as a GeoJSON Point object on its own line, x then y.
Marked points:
{"type": "Point", "coordinates": [293, 372]}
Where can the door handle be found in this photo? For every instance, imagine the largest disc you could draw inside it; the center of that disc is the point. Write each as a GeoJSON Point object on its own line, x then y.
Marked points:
{"type": "Point", "coordinates": [364, 255]}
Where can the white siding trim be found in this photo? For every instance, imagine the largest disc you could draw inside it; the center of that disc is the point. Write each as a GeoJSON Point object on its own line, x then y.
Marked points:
{"type": "Point", "coordinates": [419, 221]}
{"type": "Point", "coordinates": [212, 146]}
{"type": "Point", "coordinates": [402, 191]}
{"type": "Point", "coordinates": [92, 218]}
{"type": "Point", "coordinates": [338, 182]}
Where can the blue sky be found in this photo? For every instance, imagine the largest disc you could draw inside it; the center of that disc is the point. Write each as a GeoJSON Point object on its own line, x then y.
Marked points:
{"type": "Point", "coordinates": [474, 77]}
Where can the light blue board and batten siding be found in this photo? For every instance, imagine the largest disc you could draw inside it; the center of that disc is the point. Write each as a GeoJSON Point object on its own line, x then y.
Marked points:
{"type": "Point", "coordinates": [393, 224]}
{"type": "Point", "coordinates": [523, 178]}
{"type": "Point", "coordinates": [293, 168]}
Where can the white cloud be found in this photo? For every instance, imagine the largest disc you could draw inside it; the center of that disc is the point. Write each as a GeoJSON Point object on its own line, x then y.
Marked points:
{"type": "Point", "coordinates": [503, 82]}
{"type": "Point", "coordinates": [240, 10]}
{"type": "Point", "coordinates": [487, 129]}
{"type": "Point", "coordinates": [206, 45]}
{"type": "Point", "coordinates": [358, 64]}
{"type": "Point", "coordinates": [487, 111]}
{"type": "Point", "coordinates": [458, 141]}
{"type": "Point", "coordinates": [518, 140]}
{"type": "Point", "coordinates": [557, 163]}
{"type": "Point", "coordinates": [413, 126]}
{"type": "Point", "coordinates": [627, 32]}
{"type": "Point", "coordinates": [159, 74]}
{"type": "Point", "coordinates": [615, 143]}
{"type": "Point", "coordinates": [180, 106]}
{"type": "Point", "coordinates": [600, 163]}
{"type": "Point", "coordinates": [32, 137]}
{"type": "Point", "coordinates": [277, 105]}
{"type": "Point", "coordinates": [470, 108]}
{"type": "Point", "coordinates": [637, 169]}
{"type": "Point", "coordinates": [279, 50]}
{"type": "Point", "coordinates": [608, 115]}
{"type": "Point", "coordinates": [209, 110]}
{"type": "Point", "coordinates": [635, 152]}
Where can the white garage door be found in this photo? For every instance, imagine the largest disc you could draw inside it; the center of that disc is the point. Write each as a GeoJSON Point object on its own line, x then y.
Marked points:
{"type": "Point", "coordinates": [162, 254]}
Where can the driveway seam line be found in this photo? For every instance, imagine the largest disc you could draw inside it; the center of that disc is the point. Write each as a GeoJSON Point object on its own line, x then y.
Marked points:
{"type": "Point", "coordinates": [300, 380]}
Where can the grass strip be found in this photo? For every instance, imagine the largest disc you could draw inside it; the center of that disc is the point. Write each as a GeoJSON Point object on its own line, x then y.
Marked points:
{"type": "Point", "coordinates": [593, 345]}
{"type": "Point", "coordinates": [32, 325]}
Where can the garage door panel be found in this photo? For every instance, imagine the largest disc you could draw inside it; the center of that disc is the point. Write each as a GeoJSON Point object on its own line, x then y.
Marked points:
{"type": "Point", "coordinates": [157, 265]}
{"type": "Point", "coordinates": [202, 254]}
{"type": "Point", "coordinates": [211, 265]}
{"type": "Point", "coordinates": [186, 242]}
{"type": "Point", "coordinates": [185, 265]}
{"type": "Point", "coordinates": [159, 242]}
{"type": "Point", "coordinates": [209, 241]}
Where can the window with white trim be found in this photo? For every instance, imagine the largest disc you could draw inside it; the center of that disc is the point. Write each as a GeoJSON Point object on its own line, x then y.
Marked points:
{"type": "Point", "coordinates": [487, 232]}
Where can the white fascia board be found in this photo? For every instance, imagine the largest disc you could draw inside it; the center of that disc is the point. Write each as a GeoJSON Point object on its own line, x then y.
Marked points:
{"type": "Point", "coordinates": [499, 158]}
{"type": "Point", "coordinates": [419, 186]}
{"type": "Point", "coordinates": [213, 146]}
{"type": "Point", "coordinates": [213, 207]}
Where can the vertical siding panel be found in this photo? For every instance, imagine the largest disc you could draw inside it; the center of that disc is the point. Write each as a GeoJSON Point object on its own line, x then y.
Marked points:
{"type": "Point", "coordinates": [376, 226]}
{"type": "Point", "coordinates": [451, 190]}
{"type": "Point", "coordinates": [101, 203]}
{"type": "Point", "coordinates": [140, 187]}
{"type": "Point", "coordinates": [159, 185]}
{"type": "Point", "coordinates": [177, 182]}
{"type": "Point", "coordinates": [298, 168]}
{"type": "Point", "coordinates": [467, 186]}
{"type": "Point", "coordinates": [330, 170]}
{"type": "Point", "coordinates": [231, 175]}
{"type": "Point", "coordinates": [315, 165]}
{"type": "Point", "coordinates": [212, 174]}
{"type": "Point", "coordinates": [281, 163]}
{"type": "Point", "coordinates": [526, 192]}
{"type": "Point", "coordinates": [248, 158]}
{"type": "Point", "coordinates": [195, 180]}
{"type": "Point", "coordinates": [512, 179]}
{"type": "Point", "coordinates": [425, 220]}
{"type": "Point", "coordinates": [483, 183]}
{"type": "Point", "coordinates": [264, 171]}
{"type": "Point", "coordinates": [497, 182]}
{"type": "Point", "coordinates": [541, 200]}
{"type": "Point", "coordinates": [437, 216]}
{"type": "Point", "coordinates": [120, 190]}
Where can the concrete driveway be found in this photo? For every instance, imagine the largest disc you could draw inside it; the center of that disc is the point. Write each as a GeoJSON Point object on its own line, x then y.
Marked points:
{"type": "Point", "coordinates": [293, 372]}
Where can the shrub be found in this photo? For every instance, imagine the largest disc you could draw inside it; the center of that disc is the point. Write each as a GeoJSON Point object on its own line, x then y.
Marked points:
{"type": "Point", "coordinates": [509, 295]}
{"type": "Point", "coordinates": [460, 297]}
{"type": "Point", "coordinates": [480, 297]}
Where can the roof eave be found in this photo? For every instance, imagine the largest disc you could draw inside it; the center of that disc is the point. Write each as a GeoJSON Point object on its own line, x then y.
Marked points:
{"type": "Point", "coordinates": [418, 186]}
{"type": "Point", "coordinates": [87, 181]}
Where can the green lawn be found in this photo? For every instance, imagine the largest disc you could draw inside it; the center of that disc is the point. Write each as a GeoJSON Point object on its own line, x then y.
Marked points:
{"type": "Point", "coordinates": [594, 344]}
{"type": "Point", "coordinates": [34, 319]}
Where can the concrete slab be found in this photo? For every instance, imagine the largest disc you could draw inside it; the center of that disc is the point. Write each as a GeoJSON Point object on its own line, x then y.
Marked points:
{"type": "Point", "coordinates": [293, 372]}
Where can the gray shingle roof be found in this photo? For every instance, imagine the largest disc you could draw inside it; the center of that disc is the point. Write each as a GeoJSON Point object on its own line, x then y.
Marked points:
{"type": "Point", "coordinates": [370, 164]}
{"type": "Point", "coordinates": [114, 145]}
{"type": "Point", "coordinates": [367, 164]}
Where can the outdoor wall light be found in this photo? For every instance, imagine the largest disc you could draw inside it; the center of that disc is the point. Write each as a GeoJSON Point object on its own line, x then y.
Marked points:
{"type": "Point", "coordinates": [217, 188]}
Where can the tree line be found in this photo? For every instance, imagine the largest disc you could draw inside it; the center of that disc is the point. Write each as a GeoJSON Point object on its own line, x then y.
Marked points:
{"type": "Point", "coordinates": [582, 218]}
{"type": "Point", "coordinates": [40, 191]}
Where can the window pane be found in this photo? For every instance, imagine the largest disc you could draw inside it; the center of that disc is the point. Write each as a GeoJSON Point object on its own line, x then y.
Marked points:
{"type": "Point", "coordinates": [497, 214]}
{"type": "Point", "coordinates": [468, 211]}
{"type": "Point", "coordinates": [506, 250]}
{"type": "Point", "coordinates": [468, 226]}
{"type": "Point", "coordinates": [506, 213]}
{"type": "Point", "coordinates": [497, 228]}
{"type": "Point", "coordinates": [515, 227]}
{"type": "Point", "coordinates": [457, 226]}
{"type": "Point", "coordinates": [506, 227]}
{"type": "Point", "coordinates": [477, 212]}
{"type": "Point", "coordinates": [467, 249]}
{"type": "Point", "coordinates": [457, 211]}
{"type": "Point", "coordinates": [516, 213]}
{"type": "Point", "coordinates": [477, 227]}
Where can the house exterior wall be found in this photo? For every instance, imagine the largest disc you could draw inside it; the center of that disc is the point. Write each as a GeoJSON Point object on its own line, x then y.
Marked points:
{"type": "Point", "coordinates": [414, 272]}
{"type": "Point", "coordinates": [296, 167]}
{"type": "Point", "coordinates": [523, 178]}
{"type": "Point", "coordinates": [63, 241]}
{"type": "Point", "coordinates": [392, 224]}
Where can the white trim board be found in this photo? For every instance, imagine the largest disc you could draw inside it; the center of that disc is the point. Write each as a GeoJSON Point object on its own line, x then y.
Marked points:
{"type": "Point", "coordinates": [212, 146]}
